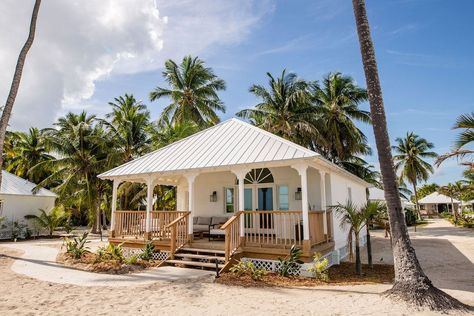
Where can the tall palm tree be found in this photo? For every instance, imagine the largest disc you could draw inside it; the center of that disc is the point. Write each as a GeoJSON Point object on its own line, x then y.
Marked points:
{"type": "Point", "coordinates": [337, 103]}
{"type": "Point", "coordinates": [29, 150]}
{"type": "Point", "coordinates": [409, 154]}
{"type": "Point", "coordinates": [453, 191]}
{"type": "Point", "coordinates": [369, 212]}
{"type": "Point", "coordinates": [81, 148]}
{"type": "Point", "coordinates": [168, 132]}
{"type": "Point", "coordinates": [128, 124]}
{"type": "Point", "coordinates": [411, 284]}
{"type": "Point", "coordinates": [350, 215]}
{"type": "Point", "coordinates": [285, 108]}
{"type": "Point", "coordinates": [193, 92]}
{"type": "Point", "coordinates": [465, 138]}
{"type": "Point", "coordinates": [7, 109]}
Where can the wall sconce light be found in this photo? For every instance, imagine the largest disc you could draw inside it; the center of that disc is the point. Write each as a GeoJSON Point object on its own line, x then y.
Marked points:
{"type": "Point", "coordinates": [213, 197]}
{"type": "Point", "coordinates": [298, 194]}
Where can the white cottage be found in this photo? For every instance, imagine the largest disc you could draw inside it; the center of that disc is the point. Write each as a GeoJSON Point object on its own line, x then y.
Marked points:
{"type": "Point", "coordinates": [436, 203]}
{"type": "Point", "coordinates": [240, 191]}
{"type": "Point", "coordinates": [18, 198]}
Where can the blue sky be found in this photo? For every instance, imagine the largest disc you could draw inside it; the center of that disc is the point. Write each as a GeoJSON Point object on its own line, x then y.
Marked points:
{"type": "Point", "coordinates": [424, 50]}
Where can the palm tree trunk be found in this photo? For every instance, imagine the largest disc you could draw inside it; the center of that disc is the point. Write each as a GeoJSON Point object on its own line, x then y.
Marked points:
{"type": "Point", "coordinates": [369, 246]}
{"type": "Point", "coordinates": [411, 284]}
{"type": "Point", "coordinates": [454, 213]}
{"type": "Point", "coordinates": [7, 109]}
{"type": "Point", "coordinates": [417, 206]}
{"type": "Point", "coordinates": [358, 263]}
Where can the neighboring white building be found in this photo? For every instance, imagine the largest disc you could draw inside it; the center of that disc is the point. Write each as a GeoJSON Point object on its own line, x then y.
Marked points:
{"type": "Point", "coordinates": [436, 203]}
{"type": "Point", "coordinates": [269, 192]}
{"type": "Point", "coordinates": [17, 200]}
{"type": "Point", "coordinates": [376, 194]}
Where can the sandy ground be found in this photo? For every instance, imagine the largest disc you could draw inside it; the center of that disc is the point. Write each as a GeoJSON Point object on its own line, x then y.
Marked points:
{"type": "Point", "coordinates": [445, 253]}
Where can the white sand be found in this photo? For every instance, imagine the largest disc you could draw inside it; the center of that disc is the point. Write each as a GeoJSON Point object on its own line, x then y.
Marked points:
{"type": "Point", "coordinates": [22, 295]}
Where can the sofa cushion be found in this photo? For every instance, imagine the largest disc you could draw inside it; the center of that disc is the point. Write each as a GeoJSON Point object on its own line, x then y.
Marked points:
{"type": "Point", "coordinates": [195, 220]}
{"type": "Point", "coordinates": [218, 220]}
{"type": "Point", "coordinates": [200, 228]}
{"type": "Point", "coordinates": [216, 232]}
{"type": "Point", "coordinates": [203, 220]}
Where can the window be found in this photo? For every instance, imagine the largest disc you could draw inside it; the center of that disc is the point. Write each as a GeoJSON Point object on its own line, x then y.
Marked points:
{"type": "Point", "coordinates": [283, 197]}
{"type": "Point", "coordinates": [229, 200]}
{"type": "Point", "coordinates": [261, 175]}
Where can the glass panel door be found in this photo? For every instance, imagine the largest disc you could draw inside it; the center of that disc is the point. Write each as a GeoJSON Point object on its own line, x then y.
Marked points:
{"type": "Point", "coordinates": [248, 206]}
{"type": "Point", "coordinates": [265, 203]}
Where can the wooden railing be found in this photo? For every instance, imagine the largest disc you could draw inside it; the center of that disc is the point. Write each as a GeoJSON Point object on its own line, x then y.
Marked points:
{"type": "Point", "coordinates": [159, 220]}
{"type": "Point", "coordinates": [273, 228]}
{"type": "Point", "coordinates": [130, 224]}
{"type": "Point", "coordinates": [316, 227]}
{"type": "Point", "coordinates": [329, 225]}
{"type": "Point", "coordinates": [232, 235]}
{"type": "Point", "coordinates": [178, 232]}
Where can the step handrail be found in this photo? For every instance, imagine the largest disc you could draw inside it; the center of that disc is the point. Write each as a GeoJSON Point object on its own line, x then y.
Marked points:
{"type": "Point", "coordinates": [232, 235]}
{"type": "Point", "coordinates": [177, 239]}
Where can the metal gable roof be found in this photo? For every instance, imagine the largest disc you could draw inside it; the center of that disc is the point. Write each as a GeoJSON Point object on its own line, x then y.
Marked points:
{"type": "Point", "coordinates": [14, 185]}
{"type": "Point", "coordinates": [231, 142]}
{"type": "Point", "coordinates": [437, 198]}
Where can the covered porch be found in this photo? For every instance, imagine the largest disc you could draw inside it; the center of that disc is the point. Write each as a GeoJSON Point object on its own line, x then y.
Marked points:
{"type": "Point", "coordinates": [260, 210]}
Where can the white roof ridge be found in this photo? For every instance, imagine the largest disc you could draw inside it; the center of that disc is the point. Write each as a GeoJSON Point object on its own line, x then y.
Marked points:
{"type": "Point", "coordinates": [28, 190]}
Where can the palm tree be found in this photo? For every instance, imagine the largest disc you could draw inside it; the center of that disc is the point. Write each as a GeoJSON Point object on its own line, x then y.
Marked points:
{"type": "Point", "coordinates": [193, 92]}
{"type": "Point", "coordinates": [82, 149]}
{"type": "Point", "coordinates": [453, 191]}
{"type": "Point", "coordinates": [466, 137]}
{"type": "Point", "coordinates": [369, 211]}
{"type": "Point", "coordinates": [351, 216]}
{"type": "Point", "coordinates": [7, 109]}
{"type": "Point", "coordinates": [285, 108]}
{"type": "Point", "coordinates": [129, 121]}
{"type": "Point", "coordinates": [52, 220]}
{"type": "Point", "coordinates": [337, 105]}
{"type": "Point", "coordinates": [29, 149]}
{"type": "Point", "coordinates": [411, 284]}
{"type": "Point", "coordinates": [167, 132]}
{"type": "Point", "coordinates": [410, 152]}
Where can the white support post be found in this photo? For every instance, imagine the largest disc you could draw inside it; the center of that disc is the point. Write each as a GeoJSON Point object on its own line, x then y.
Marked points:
{"type": "Point", "coordinates": [240, 174]}
{"type": "Point", "coordinates": [322, 184]}
{"type": "Point", "coordinates": [114, 205]}
{"type": "Point", "coordinates": [149, 203]}
{"type": "Point", "coordinates": [302, 170]}
{"type": "Point", "coordinates": [191, 178]}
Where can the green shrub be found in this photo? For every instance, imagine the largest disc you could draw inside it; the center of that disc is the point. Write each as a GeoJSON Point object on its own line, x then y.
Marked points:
{"type": "Point", "coordinates": [131, 260]}
{"type": "Point", "coordinates": [76, 247]}
{"type": "Point", "coordinates": [248, 268]}
{"type": "Point", "coordinates": [110, 252]}
{"type": "Point", "coordinates": [410, 217]}
{"type": "Point", "coordinates": [320, 268]}
{"type": "Point", "coordinates": [148, 251]}
{"type": "Point", "coordinates": [291, 262]}
{"type": "Point", "coordinates": [446, 215]}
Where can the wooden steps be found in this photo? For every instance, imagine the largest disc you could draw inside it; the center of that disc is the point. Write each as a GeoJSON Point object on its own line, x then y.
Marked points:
{"type": "Point", "coordinates": [198, 258]}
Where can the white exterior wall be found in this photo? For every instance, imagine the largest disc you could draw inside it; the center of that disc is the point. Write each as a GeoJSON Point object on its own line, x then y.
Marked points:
{"type": "Point", "coordinates": [340, 194]}
{"type": "Point", "coordinates": [15, 207]}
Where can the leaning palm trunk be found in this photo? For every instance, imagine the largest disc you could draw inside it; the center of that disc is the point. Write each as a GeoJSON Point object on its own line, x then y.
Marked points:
{"type": "Point", "coordinates": [369, 246]}
{"type": "Point", "coordinates": [357, 254]}
{"type": "Point", "coordinates": [411, 284]}
{"type": "Point", "coordinates": [7, 110]}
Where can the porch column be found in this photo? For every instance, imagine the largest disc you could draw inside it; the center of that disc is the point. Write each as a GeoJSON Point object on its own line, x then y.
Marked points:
{"type": "Point", "coordinates": [115, 185]}
{"type": "Point", "coordinates": [322, 184]}
{"type": "Point", "coordinates": [302, 170]}
{"type": "Point", "coordinates": [191, 178]}
{"type": "Point", "coordinates": [240, 174]}
{"type": "Point", "coordinates": [149, 206]}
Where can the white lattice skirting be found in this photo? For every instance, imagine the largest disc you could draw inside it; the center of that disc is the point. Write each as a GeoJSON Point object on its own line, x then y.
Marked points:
{"type": "Point", "coordinates": [161, 256]}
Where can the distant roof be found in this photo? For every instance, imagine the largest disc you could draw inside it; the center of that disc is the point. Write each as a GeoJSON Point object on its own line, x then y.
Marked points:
{"type": "Point", "coordinates": [376, 194]}
{"type": "Point", "coordinates": [14, 185]}
{"type": "Point", "coordinates": [437, 198]}
{"type": "Point", "coordinates": [231, 142]}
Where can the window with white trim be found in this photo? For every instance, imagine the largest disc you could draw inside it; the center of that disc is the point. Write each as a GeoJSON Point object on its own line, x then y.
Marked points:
{"type": "Point", "coordinates": [283, 198]}
{"type": "Point", "coordinates": [229, 200]}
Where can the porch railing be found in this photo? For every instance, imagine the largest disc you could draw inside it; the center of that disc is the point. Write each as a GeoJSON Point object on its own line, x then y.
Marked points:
{"type": "Point", "coordinates": [130, 224]}
{"type": "Point", "coordinates": [159, 221]}
{"type": "Point", "coordinates": [329, 224]}
{"type": "Point", "coordinates": [280, 228]}
{"type": "Point", "coordinates": [316, 227]}
{"type": "Point", "coordinates": [232, 235]}
{"type": "Point", "coordinates": [178, 232]}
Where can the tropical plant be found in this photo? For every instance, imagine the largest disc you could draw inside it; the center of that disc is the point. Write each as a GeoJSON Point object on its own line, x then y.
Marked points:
{"type": "Point", "coordinates": [337, 103]}
{"type": "Point", "coordinates": [166, 132]}
{"type": "Point", "coordinates": [410, 153]}
{"type": "Point", "coordinates": [248, 268]}
{"type": "Point", "coordinates": [193, 92]}
{"type": "Point", "coordinates": [285, 108]}
{"type": "Point", "coordinates": [52, 220]}
{"type": "Point", "coordinates": [27, 150]}
{"type": "Point", "coordinates": [320, 266]}
{"type": "Point", "coordinates": [465, 138]}
{"type": "Point", "coordinates": [76, 247]}
{"type": "Point", "coordinates": [369, 212]}
{"type": "Point", "coordinates": [411, 284]}
{"type": "Point", "coordinates": [148, 251]}
{"type": "Point", "coordinates": [7, 109]}
{"type": "Point", "coordinates": [425, 190]}
{"type": "Point", "coordinates": [453, 191]}
{"type": "Point", "coordinates": [290, 264]}
{"type": "Point", "coordinates": [350, 215]}
{"type": "Point", "coordinates": [111, 252]}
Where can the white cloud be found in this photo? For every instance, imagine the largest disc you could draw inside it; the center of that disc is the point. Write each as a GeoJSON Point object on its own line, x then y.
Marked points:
{"type": "Point", "coordinates": [80, 42]}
